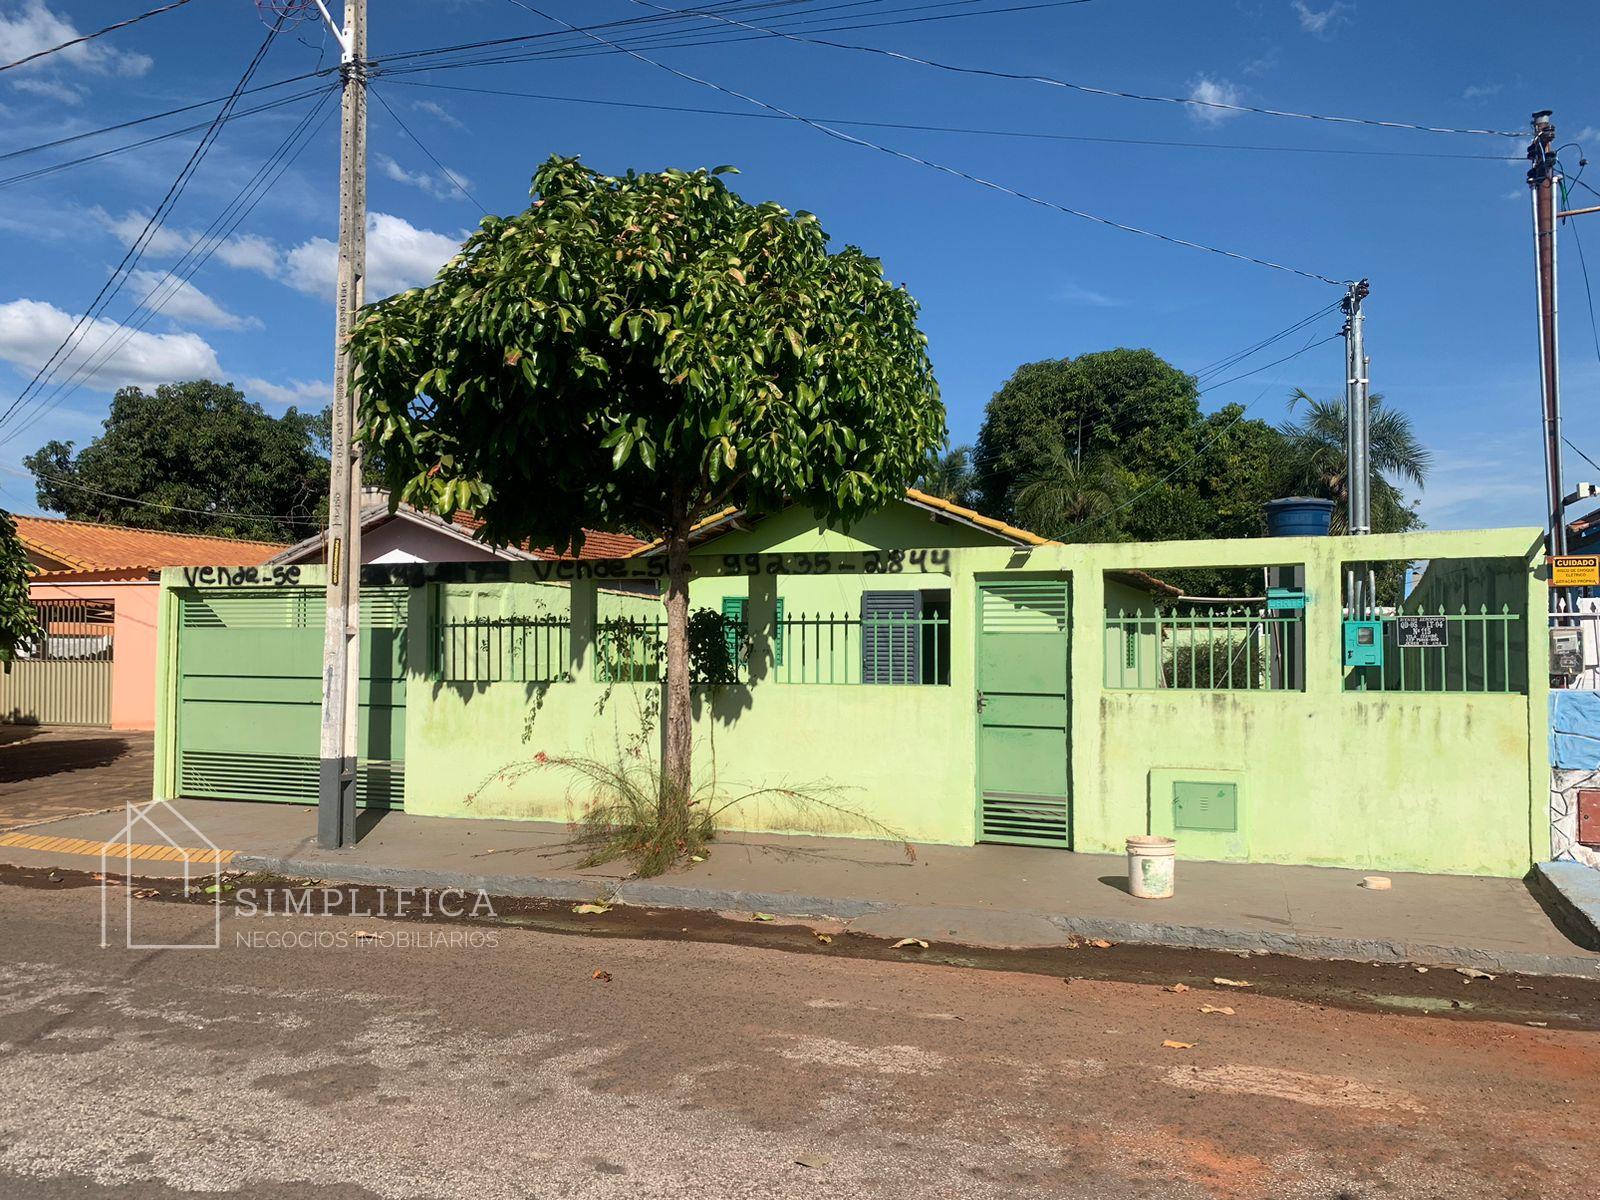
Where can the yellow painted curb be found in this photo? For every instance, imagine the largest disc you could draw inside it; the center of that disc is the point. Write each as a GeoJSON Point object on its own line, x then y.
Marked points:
{"type": "Point", "coordinates": [84, 846]}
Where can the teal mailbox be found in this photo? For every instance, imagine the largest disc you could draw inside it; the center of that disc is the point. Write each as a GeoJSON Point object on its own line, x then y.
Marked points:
{"type": "Point", "coordinates": [1285, 599]}
{"type": "Point", "coordinates": [1363, 643]}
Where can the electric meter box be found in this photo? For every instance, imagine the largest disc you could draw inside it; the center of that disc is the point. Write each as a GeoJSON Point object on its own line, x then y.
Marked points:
{"type": "Point", "coordinates": [1363, 643]}
{"type": "Point", "coordinates": [1566, 651]}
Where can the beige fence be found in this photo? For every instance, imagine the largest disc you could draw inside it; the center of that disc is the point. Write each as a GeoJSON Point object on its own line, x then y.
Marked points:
{"type": "Point", "coordinates": [63, 677]}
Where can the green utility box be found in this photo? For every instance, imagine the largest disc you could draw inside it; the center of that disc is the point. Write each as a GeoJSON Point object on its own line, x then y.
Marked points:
{"type": "Point", "coordinates": [1205, 807]}
{"type": "Point", "coordinates": [1363, 643]}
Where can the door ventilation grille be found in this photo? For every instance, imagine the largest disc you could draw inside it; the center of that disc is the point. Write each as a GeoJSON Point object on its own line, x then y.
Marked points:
{"type": "Point", "coordinates": [210, 775]}
{"type": "Point", "coordinates": [1025, 821]}
{"type": "Point", "coordinates": [285, 608]}
{"type": "Point", "coordinates": [1039, 607]}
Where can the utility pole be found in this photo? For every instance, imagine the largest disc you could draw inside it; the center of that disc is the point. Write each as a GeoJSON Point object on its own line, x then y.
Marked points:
{"type": "Point", "coordinates": [1543, 177]}
{"type": "Point", "coordinates": [1358, 414]}
{"type": "Point", "coordinates": [341, 646]}
{"type": "Point", "coordinates": [1357, 444]}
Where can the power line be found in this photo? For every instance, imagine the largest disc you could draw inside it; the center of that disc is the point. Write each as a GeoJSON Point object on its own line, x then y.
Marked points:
{"type": "Point", "coordinates": [188, 265]}
{"type": "Point", "coordinates": [87, 37]}
{"type": "Point", "coordinates": [851, 138]}
{"type": "Point", "coordinates": [1041, 135]}
{"type": "Point", "coordinates": [1216, 437]}
{"type": "Point", "coordinates": [67, 164]}
{"type": "Point", "coordinates": [202, 512]}
{"type": "Point", "coordinates": [662, 39]}
{"type": "Point", "coordinates": [135, 252]}
{"type": "Point", "coordinates": [171, 112]}
{"type": "Point", "coordinates": [1052, 81]}
{"type": "Point", "coordinates": [444, 170]}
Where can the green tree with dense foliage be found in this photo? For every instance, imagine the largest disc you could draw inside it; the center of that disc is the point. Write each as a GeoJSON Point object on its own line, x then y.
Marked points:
{"type": "Point", "coordinates": [1315, 462]}
{"type": "Point", "coordinates": [638, 352]}
{"type": "Point", "coordinates": [1126, 406]}
{"type": "Point", "coordinates": [191, 457]}
{"type": "Point", "coordinates": [18, 618]}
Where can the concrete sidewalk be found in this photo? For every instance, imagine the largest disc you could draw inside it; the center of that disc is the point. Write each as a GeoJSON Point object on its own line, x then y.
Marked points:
{"type": "Point", "coordinates": [982, 895]}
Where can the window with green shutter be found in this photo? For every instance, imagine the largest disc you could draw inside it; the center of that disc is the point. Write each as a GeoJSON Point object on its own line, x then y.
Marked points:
{"type": "Point", "coordinates": [733, 610]}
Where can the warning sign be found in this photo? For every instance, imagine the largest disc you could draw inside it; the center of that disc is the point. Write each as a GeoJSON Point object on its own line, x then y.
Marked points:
{"type": "Point", "coordinates": [1575, 570]}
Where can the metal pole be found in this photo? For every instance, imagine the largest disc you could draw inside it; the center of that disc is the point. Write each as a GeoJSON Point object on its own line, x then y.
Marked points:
{"type": "Point", "coordinates": [341, 672]}
{"type": "Point", "coordinates": [1358, 457]}
{"type": "Point", "coordinates": [1542, 178]}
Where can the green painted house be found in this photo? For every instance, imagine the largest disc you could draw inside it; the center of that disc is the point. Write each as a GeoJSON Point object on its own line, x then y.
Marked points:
{"type": "Point", "coordinates": [929, 674]}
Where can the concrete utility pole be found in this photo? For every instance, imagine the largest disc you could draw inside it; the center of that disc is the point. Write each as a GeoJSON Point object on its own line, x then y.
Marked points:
{"type": "Point", "coordinates": [1358, 414]}
{"type": "Point", "coordinates": [1543, 176]}
{"type": "Point", "coordinates": [341, 645]}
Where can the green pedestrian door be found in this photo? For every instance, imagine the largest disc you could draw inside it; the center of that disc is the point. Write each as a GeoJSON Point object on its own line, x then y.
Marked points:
{"type": "Point", "coordinates": [1023, 749]}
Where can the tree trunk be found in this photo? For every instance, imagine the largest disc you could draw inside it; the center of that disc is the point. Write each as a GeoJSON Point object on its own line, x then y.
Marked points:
{"type": "Point", "coordinates": [679, 742]}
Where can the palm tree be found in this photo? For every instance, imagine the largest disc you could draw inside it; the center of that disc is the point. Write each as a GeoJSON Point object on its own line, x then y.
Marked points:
{"type": "Point", "coordinates": [1316, 464]}
{"type": "Point", "coordinates": [1066, 497]}
{"type": "Point", "coordinates": [951, 476]}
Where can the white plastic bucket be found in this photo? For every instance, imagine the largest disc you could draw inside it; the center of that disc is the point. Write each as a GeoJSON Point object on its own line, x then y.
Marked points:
{"type": "Point", "coordinates": [1150, 867]}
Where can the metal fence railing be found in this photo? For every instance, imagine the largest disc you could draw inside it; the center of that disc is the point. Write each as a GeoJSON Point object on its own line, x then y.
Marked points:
{"type": "Point", "coordinates": [1228, 649]}
{"type": "Point", "coordinates": [502, 649]}
{"type": "Point", "coordinates": [882, 648]}
{"type": "Point", "coordinates": [1461, 651]}
{"type": "Point", "coordinates": [814, 649]}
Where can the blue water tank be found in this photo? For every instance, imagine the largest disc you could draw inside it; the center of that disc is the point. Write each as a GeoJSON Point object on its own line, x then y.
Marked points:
{"type": "Point", "coordinates": [1299, 516]}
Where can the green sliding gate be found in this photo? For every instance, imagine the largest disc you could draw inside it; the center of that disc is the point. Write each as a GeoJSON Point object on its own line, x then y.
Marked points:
{"type": "Point", "coordinates": [249, 694]}
{"type": "Point", "coordinates": [1023, 777]}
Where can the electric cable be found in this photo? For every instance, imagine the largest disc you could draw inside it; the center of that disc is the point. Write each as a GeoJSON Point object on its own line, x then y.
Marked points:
{"type": "Point", "coordinates": [135, 252]}
{"type": "Point", "coordinates": [89, 37]}
{"type": "Point", "coordinates": [1041, 135]}
{"type": "Point", "coordinates": [851, 138]}
{"type": "Point", "coordinates": [1052, 81]}
{"type": "Point", "coordinates": [444, 170]}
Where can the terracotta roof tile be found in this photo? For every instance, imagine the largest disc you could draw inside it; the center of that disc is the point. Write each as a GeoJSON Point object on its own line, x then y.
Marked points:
{"type": "Point", "coordinates": [597, 543]}
{"type": "Point", "coordinates": [85, 546]}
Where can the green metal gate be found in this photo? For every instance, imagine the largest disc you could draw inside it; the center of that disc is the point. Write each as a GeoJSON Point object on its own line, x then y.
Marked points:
{"type": "Point", "coordinates": [249, 694]}
{"type": "Point", "coordinates": [1023, 745]}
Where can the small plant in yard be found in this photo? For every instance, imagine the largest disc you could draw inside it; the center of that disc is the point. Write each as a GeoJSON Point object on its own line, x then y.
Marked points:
{"type": "Point", "coordinates": [622, 817]}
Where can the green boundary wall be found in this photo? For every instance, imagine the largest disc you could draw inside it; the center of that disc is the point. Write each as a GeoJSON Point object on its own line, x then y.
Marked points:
{"type": "Point", "coordinates": [1445, 782]}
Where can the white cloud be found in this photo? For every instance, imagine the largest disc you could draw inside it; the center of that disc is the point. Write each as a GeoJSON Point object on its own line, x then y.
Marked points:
{"type": "Point", "coordinates": [30, 330]}
{"type": "Point", "coordinates": [50, 89]}
{"type": "Point", "coordinates": [165, 242]}
{"type": "Point", "coordinates": [439, 112]}
{"type": "Point", "coordinates": [182, 301]}
{"type": "Point", "coordinates": [440, 186]}
{"type": "Point", "coordinates": [302, 393]}
{"type": "Point", "coordinates": [1481, 91]}
{"type": "Point", "coordinates": [399, 256]}
{"type": "Point", "coordinates": [1319, 21]}
{"type": "Point", "coordinates": [250, 252]}
{"type": "Point", "coordinates": [34, 27]}
{"type": "Point", "coordinates": [1076, 293]}
{"type": "Point", "coordinates": [1206, 90]}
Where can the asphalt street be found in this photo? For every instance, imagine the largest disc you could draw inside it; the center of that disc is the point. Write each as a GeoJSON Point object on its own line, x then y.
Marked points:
{"type": "Point", "coordinates": [438, 1060]}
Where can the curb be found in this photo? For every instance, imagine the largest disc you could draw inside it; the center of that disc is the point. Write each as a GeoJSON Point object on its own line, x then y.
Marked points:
{"type": "Point", "coordinates": [1185, 937]}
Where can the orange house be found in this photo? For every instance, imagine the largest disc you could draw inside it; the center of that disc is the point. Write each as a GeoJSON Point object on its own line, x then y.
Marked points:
{"type": "Point", "coordinates": [97, 590]}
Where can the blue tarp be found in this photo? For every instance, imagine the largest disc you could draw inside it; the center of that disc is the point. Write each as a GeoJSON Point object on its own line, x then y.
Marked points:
{"type": "Point", "coordinates": [1575, 730]}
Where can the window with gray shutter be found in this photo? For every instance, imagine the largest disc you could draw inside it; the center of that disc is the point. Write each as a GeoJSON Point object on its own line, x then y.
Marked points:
{"type": "Point", "coordinates": [891, 637]}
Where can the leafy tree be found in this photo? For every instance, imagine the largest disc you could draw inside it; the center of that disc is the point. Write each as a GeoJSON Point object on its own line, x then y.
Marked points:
{"type": "Point", "coordinates": [1315, 462]}
{"type": "Point", "coordinates": [201, 459]}
{"type": "Point", "coordinates": [18, 618]}
{"type": "Point", "coordinates": [641, 351]}
{"type": "Point", "coordinates": [1065, 497]}
{"type": "Point", "coordinates": [1128, 406]}
{"type": "Point", "coordinates": [949, 475]}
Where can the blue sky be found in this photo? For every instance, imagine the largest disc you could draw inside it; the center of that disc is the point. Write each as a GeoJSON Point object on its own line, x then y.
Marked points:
{"type": "Point", "coordinates": [1444, 240]}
